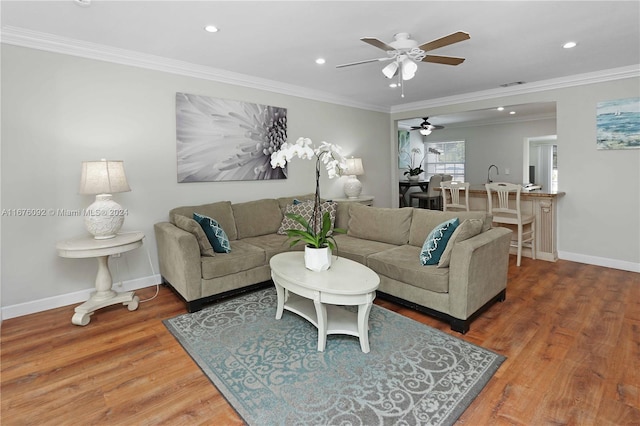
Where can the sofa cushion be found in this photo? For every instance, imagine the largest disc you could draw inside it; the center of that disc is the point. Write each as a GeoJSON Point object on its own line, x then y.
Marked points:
{"type": "Point", "coordinates": [402, 264]}
{"type": "Point", "coordinates": [190, 225]}
{"type": "Point", "coordinates": [436, 241]}
{"type": "Point", "coordinates": [385, 225]}
{"type": "Point", "coordinates": [272, 244]}
{"type": "Point", "coordinates": [424, 220]}
{"type": "Point", "coordinates": [243, 256]}
{"type": "Point", "coordinates": [220, 211]}
{"type": "Point", "coordinates": [216, 235]}
{"type": "Point", "coordinates": [254, 218]}
{"type": "Point", "coordinates": [467, 229]}
{"type": "Point", "coordinates": [358, 249]}
{"type": "Point", "coordinates": [305, 209]}
{"type": "Point", "coordinates": [342, 214]}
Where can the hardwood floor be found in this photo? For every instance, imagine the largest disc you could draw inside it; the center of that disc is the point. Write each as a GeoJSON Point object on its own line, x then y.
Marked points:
{"type": "Point", "coordinates": [570, 332]}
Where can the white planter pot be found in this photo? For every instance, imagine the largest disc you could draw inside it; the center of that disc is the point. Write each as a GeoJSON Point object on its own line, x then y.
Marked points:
{"type": "Point", "coordinates": [413, 178]}
{"type": "Point", "coordinates": [317, 259]}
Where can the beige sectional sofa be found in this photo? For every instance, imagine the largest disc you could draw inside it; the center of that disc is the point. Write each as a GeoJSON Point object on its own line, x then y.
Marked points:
{"type": "Point", "coordinates": [389, 241]}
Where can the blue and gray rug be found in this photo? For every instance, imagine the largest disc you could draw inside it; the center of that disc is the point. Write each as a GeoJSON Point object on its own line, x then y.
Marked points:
{"type": "Point", "coordinates": [271, 372]}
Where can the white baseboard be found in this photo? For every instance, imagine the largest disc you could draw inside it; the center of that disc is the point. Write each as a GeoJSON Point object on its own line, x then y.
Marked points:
{"type": "Point", "coordinates": [73, 298]}
{"type": "Point", "coordinates": [136, 284]}
{"type": "Point", "coordinates": [600, 261]}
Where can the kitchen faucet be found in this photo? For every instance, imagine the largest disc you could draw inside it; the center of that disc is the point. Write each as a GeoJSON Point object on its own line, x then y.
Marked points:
{"type": "Point", "coordinates": [489, 172]}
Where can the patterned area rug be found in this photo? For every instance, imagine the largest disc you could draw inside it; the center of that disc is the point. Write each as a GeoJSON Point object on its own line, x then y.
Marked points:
{"type": "Point", "coordinates": [271, 372]}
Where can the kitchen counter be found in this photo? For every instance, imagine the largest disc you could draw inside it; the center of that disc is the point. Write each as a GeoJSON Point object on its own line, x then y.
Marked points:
{"type": "Point", "coordinates": [542, 204]}
{"type": "Point", "coordinates": [476, 189]}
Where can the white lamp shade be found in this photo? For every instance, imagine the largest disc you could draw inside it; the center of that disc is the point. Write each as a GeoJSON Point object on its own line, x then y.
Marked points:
{"type": "Point", "coordinates": [409, 69]}
{"type": "Point", "coordinates": [103, 177]}
{"type": "Point", "coordinates": [354, 167]}
{"type": "Point", "coordinates": [390, 70]}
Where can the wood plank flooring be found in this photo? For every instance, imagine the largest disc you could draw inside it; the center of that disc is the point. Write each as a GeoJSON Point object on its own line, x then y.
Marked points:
{"type": "Point", "coordinates": [570, 332]}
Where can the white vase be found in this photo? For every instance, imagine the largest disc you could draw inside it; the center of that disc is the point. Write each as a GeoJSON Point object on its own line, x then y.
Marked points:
{"type": "Point", "coordinates": [317, 259]}
{"type": "Point", "coordinates": [413, 178]}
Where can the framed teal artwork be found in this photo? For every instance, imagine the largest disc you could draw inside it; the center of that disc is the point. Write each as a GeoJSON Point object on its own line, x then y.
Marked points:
{"type": "Point", "coordinates": [618, 124]}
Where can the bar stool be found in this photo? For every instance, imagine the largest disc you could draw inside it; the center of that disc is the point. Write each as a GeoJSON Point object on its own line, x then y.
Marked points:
{"type": "Point", "coordinates": [451, 191]}
{"type": "Point", "coordinates": [503, 214]}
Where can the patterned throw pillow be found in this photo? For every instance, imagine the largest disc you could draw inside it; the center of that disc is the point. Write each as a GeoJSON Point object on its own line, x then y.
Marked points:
{"type": "Point", "coordinates": [467, 229]}
{"type": "Point", "coordinates": [436, 242]}
{"type": "Point", "coordinates": [305, 209]}
{"type": "Point", "coordinates": [216, 235]}
{"type": "Point", "coordinates": [190, 225]}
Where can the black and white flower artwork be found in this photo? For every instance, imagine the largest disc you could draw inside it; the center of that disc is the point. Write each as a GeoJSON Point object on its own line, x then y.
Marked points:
{"type": "Point", "coordinates": [227, 140]}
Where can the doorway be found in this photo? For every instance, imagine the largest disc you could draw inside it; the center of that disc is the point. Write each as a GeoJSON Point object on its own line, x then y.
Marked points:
{"type": "Point", "coordinates": [541, 162]}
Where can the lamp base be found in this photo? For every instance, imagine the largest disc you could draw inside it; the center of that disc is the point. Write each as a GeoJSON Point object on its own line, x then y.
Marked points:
{"type": "Point", "coordinates": [352, 187]}
{"type": "Point", "coordinates": [104, 217]}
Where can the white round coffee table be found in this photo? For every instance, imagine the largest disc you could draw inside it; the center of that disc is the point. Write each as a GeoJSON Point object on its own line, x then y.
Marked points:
{"type": "Point", "coordinates": [315, 295]}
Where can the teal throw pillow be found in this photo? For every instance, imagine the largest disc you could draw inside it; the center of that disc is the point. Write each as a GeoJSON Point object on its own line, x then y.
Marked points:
{"type": "Point", "coordinates": [216, 235]}
{"type": "Point", "coordinates": [436, 242]}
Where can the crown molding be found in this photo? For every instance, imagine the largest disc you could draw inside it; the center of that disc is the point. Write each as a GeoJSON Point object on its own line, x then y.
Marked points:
{"type": "Point", "coordinates": [68, 46]}
{"type": "Point", "coordinates": [538, 86]}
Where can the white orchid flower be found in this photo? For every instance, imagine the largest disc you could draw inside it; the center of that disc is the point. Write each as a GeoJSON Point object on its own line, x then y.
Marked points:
{"type": "Point", "coordinates": [302, 151]}
{"type": "Point", "coordinates": [304, 142]}
{"type": "Point", "coordinates": [278, 159]}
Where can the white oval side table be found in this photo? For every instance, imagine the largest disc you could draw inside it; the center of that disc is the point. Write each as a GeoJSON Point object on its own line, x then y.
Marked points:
{"type": "Point", "coordinates": [85, 247]}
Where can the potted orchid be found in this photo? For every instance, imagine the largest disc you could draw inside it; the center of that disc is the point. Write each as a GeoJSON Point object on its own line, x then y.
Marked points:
{"type": "Point", "coordinates": [415, 167]}
{"type": "Point", "coordinates": [317, 232]}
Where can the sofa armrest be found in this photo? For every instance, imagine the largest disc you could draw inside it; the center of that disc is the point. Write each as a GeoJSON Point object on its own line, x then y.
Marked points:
{"type": "Point", "coordinates": [179, 259]}
{"type": "Point", "coordinates": [478, 271]}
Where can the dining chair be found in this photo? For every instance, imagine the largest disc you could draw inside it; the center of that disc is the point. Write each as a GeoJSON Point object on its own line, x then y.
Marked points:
{"type": "Point", "coordinates": [506, 215]}
{"type": "Point", "coordinates": [451, 191]}
{"type": "Point", "coordinates": [429, 199]}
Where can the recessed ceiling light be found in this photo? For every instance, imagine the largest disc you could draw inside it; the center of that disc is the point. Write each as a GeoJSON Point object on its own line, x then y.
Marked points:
{"type": "Point", "coordinates": [569, 44]}
{"type": "Point", "coordinates": [512, 112]}
{"type": "Point", "coordinates": [83, 3]}
{"type": "Point", "coordinates": [320, 61]}
{"type": "Point", "coordinates": [211, 29]}
{"type": "Point", "coordinates": [500, 108]}
{"type": "Point", "coordinates": [393, 85]}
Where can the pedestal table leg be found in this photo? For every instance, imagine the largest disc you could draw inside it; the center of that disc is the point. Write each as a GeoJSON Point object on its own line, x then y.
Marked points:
{"type": "Point", "coordinates": [321, 314]}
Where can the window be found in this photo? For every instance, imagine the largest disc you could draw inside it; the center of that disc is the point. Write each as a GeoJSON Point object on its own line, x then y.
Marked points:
{"type": "Point", "coordinates": [445, 158]}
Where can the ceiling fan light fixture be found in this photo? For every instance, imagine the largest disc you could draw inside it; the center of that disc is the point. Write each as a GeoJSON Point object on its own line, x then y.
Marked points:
{"type": "Point", "coordinates": [409, 69]}
{"type": "Point", "coordinates": [425, 132]}
{"type": "Point", "coordinates": [390, 70]}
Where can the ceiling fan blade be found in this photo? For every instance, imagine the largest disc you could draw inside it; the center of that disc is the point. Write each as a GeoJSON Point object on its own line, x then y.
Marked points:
{"type": "Point", "coordinates": [363, 62]}
{"type": "Point", "coordinates": [377, 43]}
{"type": "Point", "coordinates": [445, 41]}
{"type": "Point", "coordinates": [446, 60]}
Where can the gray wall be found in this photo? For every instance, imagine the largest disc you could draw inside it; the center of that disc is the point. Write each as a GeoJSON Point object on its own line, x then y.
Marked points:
{"type": "Point", "coordinates": [599, 217]}
{"type": "Point", "coordinates": [59, 110]}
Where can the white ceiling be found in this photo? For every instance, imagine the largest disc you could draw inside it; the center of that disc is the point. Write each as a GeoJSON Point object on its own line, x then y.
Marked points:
{"type": "Point", "coordinates": [277, 43]}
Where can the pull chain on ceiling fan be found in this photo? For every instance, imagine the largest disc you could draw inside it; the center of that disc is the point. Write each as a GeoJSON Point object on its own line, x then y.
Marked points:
{"type": "Point", "coordinates": [404, 52]}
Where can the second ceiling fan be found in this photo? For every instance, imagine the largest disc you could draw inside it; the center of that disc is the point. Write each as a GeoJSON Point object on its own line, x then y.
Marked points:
{"type": "Point", "coordinates": [425, 127]}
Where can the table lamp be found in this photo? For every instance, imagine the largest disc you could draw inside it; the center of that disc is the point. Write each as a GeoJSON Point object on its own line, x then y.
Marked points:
{"type": "Point", "coordinates": [353, 187]}
{"type": "Point", "coordinates": [104, 217]}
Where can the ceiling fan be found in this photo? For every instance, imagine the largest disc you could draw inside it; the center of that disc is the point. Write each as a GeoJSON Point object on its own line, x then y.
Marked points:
{"type": "Point", "coordinates": [405, 52]}
{"type": "Point", "coordinates": [425, 127]}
